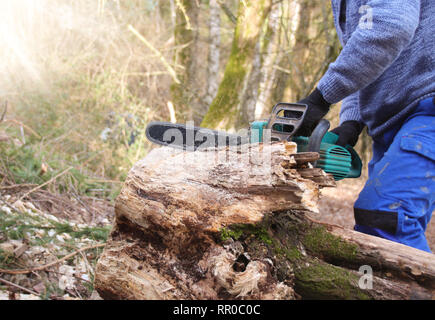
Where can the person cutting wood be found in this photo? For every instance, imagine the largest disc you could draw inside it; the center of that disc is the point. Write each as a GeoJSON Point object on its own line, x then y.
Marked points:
{"type": "Point", "coordinates": [385, 78]}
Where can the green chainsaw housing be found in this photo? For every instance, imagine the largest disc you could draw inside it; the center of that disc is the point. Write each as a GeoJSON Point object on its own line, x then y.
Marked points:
{"type": "Point", "coordinates": [339, 161]}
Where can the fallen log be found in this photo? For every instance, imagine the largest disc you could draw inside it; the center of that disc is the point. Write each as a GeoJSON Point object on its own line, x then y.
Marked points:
{"type": "Point", "coordinates": [235, 224]}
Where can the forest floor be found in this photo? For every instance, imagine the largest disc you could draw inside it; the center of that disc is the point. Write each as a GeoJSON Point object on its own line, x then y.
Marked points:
{"type": "Point", "coordinates": [65, 236]}
{"type": "Point", "coordinates": [60, 235]}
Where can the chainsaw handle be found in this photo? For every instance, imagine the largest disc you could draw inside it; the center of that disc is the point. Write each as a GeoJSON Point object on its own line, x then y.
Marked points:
{"type": "Point", "coordinates": [355, 171]}
{"type": "Point", "coordinates": [356, 165]}
{"type": "Point", "coordinates": [316, 137]}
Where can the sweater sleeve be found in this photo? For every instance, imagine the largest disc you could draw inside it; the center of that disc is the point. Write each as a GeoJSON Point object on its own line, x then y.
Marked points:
{"type": "Point", "coordinates": [370, 51]}
{"type": "Point", "coordinates": [350, 109]}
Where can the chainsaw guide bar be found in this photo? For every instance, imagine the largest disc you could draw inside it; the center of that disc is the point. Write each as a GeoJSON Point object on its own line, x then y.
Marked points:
{"type": "Point", "coordinates": [191, 138]}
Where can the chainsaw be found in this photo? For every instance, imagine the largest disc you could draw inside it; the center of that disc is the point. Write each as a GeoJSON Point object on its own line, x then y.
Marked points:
{"type": "Point", "coordinates": [285, 120]}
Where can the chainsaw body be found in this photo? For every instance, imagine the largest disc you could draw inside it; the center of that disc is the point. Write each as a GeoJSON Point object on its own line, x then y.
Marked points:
{"type": "Point", "coordinates": [334, 159]}
{"type": "Point", "coordinates": [341, 162]}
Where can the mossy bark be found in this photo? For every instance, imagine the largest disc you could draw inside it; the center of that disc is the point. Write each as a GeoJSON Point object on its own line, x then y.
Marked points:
{"type": "Point", "coordinates": [319, 264]}
{"type": "Point", "coordinates": [225, 110]}
{"type": "Point", "coordinates": [294, 247]}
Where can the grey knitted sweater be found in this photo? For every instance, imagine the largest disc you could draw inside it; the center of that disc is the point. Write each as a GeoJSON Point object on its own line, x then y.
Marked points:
{"type": "Point", "coordinates": [387, 64]}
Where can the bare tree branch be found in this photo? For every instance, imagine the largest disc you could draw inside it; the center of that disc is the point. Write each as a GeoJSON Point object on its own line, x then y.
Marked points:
{"type": "Point", "coordinates": [4, 111]}
{"type": "Point", "coordinates": [227, 11]}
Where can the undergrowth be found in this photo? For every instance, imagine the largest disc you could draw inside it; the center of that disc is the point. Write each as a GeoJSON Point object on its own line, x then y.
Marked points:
{"type": "Point", "coordinates": [84, 101]}
{"type": "Point", "coordinates": [49, 234]}
{"type": "Point", "coordinates": [40, 230]}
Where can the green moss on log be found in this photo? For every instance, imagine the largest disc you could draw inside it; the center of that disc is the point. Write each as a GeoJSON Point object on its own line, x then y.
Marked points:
{"type": "Point", "coordinates": [224, 106]}
{"type": "Point", "coordinates": [290, 253]}
{"type": "Point", "coordinates": [324, 281]}
{"type": "Point", "coordinates": [304, 254]}
{"type": "Point", "coordinates": [322, 243]}
{"type": "Point", "coordinates": [243, 231]}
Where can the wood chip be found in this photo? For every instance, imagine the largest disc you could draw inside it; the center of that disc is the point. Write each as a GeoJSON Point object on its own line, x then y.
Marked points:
{"type": "Point", "coordinates": [304, 157]}
{"type": "Point", "coordinates": [20, 250]}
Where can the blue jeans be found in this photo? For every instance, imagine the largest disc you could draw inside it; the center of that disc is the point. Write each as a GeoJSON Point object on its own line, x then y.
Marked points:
{"type": "Point", "coordinates": [399, 197]}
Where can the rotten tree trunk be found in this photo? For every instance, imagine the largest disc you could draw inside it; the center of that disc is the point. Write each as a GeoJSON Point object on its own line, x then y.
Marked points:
{"type": "Point", "coordinates": [230, 224]}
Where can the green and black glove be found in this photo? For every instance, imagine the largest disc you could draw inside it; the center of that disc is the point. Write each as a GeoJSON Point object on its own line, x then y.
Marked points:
{"type": "Point", "coordinates": [348, 133]}
{"type": "Point", "coordinates": [318, 107]}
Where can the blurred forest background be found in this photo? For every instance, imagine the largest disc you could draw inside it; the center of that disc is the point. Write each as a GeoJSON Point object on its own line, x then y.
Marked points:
{"type": "Point", "coordinates": [81, 79]}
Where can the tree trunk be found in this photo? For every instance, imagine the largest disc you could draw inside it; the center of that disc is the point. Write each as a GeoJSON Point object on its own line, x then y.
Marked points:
{"type": "Point", "coordinates": [298, 57]}
{"type": "Point", "coordinates": [261, 71]}
{"type": "Point", "coordinates": [290, 26]}
{"type": "Point", "coordinates": [185, 94]}
{"type": "Point", "coordinates": [263, 103]}
{"type": "Point", "coordinates": [312, 45]}
{"type": "Point", "coordinates": [234, 223]}
{"type": "Point", "coordinates": [226, 110]}
{"type": "Point", "coordinates": [250, 92]}
{"type": "Point", "coordinates": [213, 54]}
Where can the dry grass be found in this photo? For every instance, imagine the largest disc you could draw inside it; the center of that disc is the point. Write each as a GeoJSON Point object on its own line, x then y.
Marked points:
{"type": "Point", "coordinates": [70, 69]}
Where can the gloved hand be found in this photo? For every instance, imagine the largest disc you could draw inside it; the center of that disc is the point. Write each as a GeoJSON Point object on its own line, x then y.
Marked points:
{"type": "Point", "coordinates": [348, 133]}
{"type": "Point", "coordinates": [318, 107]}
